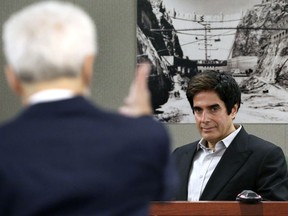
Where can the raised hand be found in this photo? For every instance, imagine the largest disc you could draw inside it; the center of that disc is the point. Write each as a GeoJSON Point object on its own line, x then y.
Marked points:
{"type": "Point", "coordinates": [138, 102]}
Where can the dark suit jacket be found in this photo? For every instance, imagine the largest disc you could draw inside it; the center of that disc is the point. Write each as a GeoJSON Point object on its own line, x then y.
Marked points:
{"type": "Point", "coordinates": [249, 163]}
{"type": "Point", "coordinates": [71, 158]}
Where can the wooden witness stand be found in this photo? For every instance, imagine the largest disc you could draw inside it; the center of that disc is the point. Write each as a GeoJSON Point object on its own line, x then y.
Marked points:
{"type": "Point", "coordinates": [219, 208]}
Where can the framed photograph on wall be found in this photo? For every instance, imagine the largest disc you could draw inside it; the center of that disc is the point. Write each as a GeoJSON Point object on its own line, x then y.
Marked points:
{"type": "Point", "coordinates": [247, 38]}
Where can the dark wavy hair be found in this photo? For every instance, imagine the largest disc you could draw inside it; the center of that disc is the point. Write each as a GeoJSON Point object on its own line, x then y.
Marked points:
{"type": "Point", "coordinates": [222, 83]}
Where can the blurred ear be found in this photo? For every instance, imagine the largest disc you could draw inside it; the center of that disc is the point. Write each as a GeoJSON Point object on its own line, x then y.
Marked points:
{"type": "Point", "coordinates": [87, 70]}
{"type": "Point", "coordinates": [13, 81]}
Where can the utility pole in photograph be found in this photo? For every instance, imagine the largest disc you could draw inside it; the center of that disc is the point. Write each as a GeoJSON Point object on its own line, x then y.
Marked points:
{"type": "Point", "coordinates": [207, 29]}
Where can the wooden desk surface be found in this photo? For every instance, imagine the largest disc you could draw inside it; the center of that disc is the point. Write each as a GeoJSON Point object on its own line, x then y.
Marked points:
{"type": "Point", "coordinates": [218, 208]}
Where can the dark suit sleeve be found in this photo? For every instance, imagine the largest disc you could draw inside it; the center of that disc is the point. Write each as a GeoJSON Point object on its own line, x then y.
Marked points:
{"type": "Point", "coordinates": [272, 183]}
{"type": "Point", "coordinates": [167, 175]}
{"type": "Point", "coordinates": [170, 181]}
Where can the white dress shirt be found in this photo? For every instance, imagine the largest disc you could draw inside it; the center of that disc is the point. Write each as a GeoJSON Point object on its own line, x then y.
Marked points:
{"type": "Point", "coordinates": [204, 163]}
{"type": "Point", "coordinates": [50, 95]}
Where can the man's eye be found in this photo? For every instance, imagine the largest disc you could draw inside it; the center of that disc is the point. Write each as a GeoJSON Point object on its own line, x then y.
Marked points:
{"type": "Point", "coordinates": [215, 108]}
{"type": "Point", "coordinates": [197, 110]}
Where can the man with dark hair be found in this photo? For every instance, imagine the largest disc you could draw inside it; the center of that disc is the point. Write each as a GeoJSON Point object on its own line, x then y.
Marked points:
{"type": "Point", "coordinates": [227, 160]}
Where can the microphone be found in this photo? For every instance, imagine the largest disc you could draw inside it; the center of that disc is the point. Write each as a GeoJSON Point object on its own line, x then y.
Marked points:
{"type": "Point", "coordinates": [249, 196]}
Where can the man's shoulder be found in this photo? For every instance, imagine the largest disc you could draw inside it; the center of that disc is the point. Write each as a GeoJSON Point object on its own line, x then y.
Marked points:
{"type": "Point", "coordinates": [254, 141]}
{"type": "Point", "coordinates": [261, 143]}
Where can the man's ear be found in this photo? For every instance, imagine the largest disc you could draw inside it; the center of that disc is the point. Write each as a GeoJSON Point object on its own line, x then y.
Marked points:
{"type": "Point", "coordinates": [13, 81]}
{"type": "Point", "coordinates": [87, 70]}
{"type": "Point", "coordinates": [234, 110]}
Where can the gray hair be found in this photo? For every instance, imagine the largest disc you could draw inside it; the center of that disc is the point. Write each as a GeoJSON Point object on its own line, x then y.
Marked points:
{"type": "Point", "coordinates": [49, 39]}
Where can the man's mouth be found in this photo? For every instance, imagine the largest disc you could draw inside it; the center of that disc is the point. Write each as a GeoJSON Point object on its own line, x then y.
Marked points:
{"type": "Point", "coordinates": [207, 129]}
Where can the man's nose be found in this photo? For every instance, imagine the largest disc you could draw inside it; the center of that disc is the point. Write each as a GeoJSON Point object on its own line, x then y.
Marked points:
{"type": "Point", "coordinates": [205, 116]}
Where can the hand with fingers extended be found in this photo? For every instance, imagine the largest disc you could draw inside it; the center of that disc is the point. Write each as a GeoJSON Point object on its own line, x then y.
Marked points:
{"type": "Point", "coordinates": [138, 102]}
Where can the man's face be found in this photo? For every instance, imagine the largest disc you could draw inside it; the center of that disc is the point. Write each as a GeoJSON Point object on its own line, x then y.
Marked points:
{"type": "Point", "coordinates": [211, 117]}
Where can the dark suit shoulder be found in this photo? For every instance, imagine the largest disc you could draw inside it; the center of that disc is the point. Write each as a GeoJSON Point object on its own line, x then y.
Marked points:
{"type": "Point", "coordinates": [262, 150]}
{"type": "Point", "coordinates": [147, 124]}
{"type": "Point", "coordinates": [254, 142]}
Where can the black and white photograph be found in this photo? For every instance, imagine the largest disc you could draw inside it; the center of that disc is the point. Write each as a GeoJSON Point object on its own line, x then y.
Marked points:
{"type": "Point", "coordinates": [247, 38]}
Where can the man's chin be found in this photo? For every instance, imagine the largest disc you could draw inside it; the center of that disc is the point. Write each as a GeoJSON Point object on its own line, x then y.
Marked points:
{"type": "Point", "coordinates": [208, 136]}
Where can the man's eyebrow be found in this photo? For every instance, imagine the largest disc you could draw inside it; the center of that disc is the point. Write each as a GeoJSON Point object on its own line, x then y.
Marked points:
{"type": "Point", "coordinates": [214, 106]}
{"type": "Point", "coordinates": [196, 107]}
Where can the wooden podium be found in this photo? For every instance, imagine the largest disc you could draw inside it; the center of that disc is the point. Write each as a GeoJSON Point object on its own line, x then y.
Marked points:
{"type": "Point", "coordinates": [219, 208]}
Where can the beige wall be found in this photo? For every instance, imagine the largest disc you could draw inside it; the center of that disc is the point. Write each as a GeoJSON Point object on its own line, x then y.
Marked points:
{"type": "Point", "coordinates": [114, 68]}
